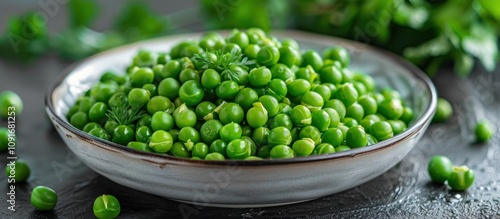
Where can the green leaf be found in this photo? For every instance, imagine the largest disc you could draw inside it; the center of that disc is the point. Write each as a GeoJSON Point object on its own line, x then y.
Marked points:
{"type": "Point", "coordinates": [482, 43]}
{"type": "Point", "coordinates": [492, 7]}
{"type": "Point", "coordinates": [82, 12]}
{"type": "Point", "coordinates": [435, 47]}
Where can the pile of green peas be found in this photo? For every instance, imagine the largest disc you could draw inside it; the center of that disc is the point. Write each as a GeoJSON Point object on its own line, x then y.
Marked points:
{"type": "Point", "coordinates": [441, 170]}
{"type": "Point", "coordinates": [283, 103]}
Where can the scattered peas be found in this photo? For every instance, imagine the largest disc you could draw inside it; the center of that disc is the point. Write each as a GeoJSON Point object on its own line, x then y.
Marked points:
{"type": "Point", "coordinates": [106, 207]}
{"type": "Point", "coordinates": [444, 110]}
{"type": "Point", "coordinates": [43, 198]}
{"type": "Point", "coordinates": [483, 131]}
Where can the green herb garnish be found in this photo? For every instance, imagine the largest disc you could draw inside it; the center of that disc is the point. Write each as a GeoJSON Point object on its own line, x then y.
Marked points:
{"type": "Point", "coordinates": [124, 114]}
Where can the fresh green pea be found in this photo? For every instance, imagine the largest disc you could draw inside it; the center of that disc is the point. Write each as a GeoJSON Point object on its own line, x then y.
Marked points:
{"type": "Point", "coordinates": [371, 140]}
{"type": "Point", "coordinates": [398, 126]}
{"type": "Point", "coordinates": [85, 104]}
{"type": "Point", "coordinates": [137, 97]}
{"type": "Point", "coordinates": [238, 149]}
{"type": "Point", "coordinates": [210, 79]}
{"type": "Point", "coordinates": [321, 120]}
{"type": "Point", "coordinates": [356, 137]}
{"type": "Point", "coordinates": [179, 150]}
{"type": "Point", "coordinates": [301, 116]}
{"type": "Point", "coordinates": [191, 93]}
{"type": "Point", "coordinates": [174, 133]}
{"type": "Point", "coordinates": [259, 76]}
{"type": "Point", "coordinates": [218, 146]}
{"type": "Point", "coordinates": [298, 87]}
{"type": "Point", "coordinates": [43, 198]}
{"type": "Point", "coordinates": [312, 58]}
{"type": "Point", "coordinates": [310, 132]}
{"type": "Point", "coordinates": [281, 151]}
{"type": "Point", "coordinates": [347, 76]}
{"type": "Point", "coordinates": [235, 73]}
{"type": "Point", "coordinates": [74, 109]}
{"type": "Point", "coordinates": [239, 38]}
{"type": "Point", "coordinates": [230, 47]}
{"type": "Point", "coordinates": [227, 89]}
{"type": "Point", "coordinates": [324, 91]}
{"type": "Point", "coordinates": [171, 70]}
{"type": "Point", "coordinates": [360, 88]}
{"type": "Point", "coordinates": [350, 122]}
{"type": "Point", "coordinates": [381, 130]}
{"type": "Point", "coordinates": [251, 143]}
{"type": "Point", "coordinates": [205, 110]}
{"type": "Point", "coordinates": [366, 123]}
{"type": "Point", "coordinates": [231, 112]}
{"type": "Point", "coordinates": [390, 93]}
{"type": "Point", "coordinates": [189, 136]}
{"type": "Point", "coordinates": [100, 133]}
{"type": "Point", "coordinates": [279, 136]}
{"type": "Point", "coordinates": [144, 121]}
{"type": "Point", "coordinates": [169, 87]}
{"type": "Point", "coordinates": [251, 51]}
{"type": "Point", "coordinates": [347, 94]}
{"type": "Point", "coordinates": [98, 112]}
{"type": "Point", "coordinates": [151, 88]}
{"type": "Point", "coordinates": [289, 56]}
{"type": "Point", "coordinates": [444, 111]}
{"type": "Point", "coordinates": [303, 147]}
{"type": "Point", "coordinates": [324, 148]}
{"type": "Point", "coordinates": [257, 116]}
{"type": "Point", "coordinates": [230, 131]}
{"type": "Point", "coordinates": [461, 178]}
{"type": "Point", "coordinates": [391, 108]}
{"type": "Point", "coordinates": [355, 111]}
{"type": "Point", "coordinates": [20, 171]}
{"type": "Point", "coordinates": [162, 121]}
{"type": "Point", "coordinates": [268, 55]}
{"type": "Point", "coordinates": [367, 81]}
{"type": "Point", "coordinates": [79, 120]}
{"type": "Point", "coordinates": [200, 150]}
{"type": "Point", "coordinates": [282, 120]}
{"type": "Point", "coordinates": [123, 134]}
{"type": "Point", "coordinates": [256, 35]}
{"type": "Point", "coordinates": [285, 108]}
{"type": "Point", "coordinates": [142, 76]}
{"type": "Point", "coordinates": [330, 74]}
{"type": "Point", "coordinates": [439, 168]}
{"type": "Point", "coordinates": [271, 105]}
{"type": "Point", "coordinates": [159, 103]}
{"type": "Point", "coordinates": [306, 73]}
{"type": "Point", "coordinates": [338, 106]}
{"type": "Point", "coordinates": [283, 72]}
{"type": "Point", "coordinates": [483, 131]}
{"type": "Point", "coordinates": [260, 135]}
{"type": "Point", "coordinates": [263, 151]}
{"type": "Point", "coordinates": [117, 100]}
{"type": "Point", "coordinates": [110, 125]}
{"type": "Point", "coordinates": [106, 207]}
{"type": "Point", "coordinates": [143, 134]}
{"type": "Point", "coordinates": [246, 130]}
{"type": "Point", "coordinates": [189, 74]}
{"type": "Point", "coordinates": [334, 118]}
{"type": "Point", "coordinates": [408, 115]}
{"type": "Point", "coordinates": [339, 54]}
{"type": "Point", "coordinates": [140, 146]}
{"type": "Point", "coordinates": [312, 100]}
{"type": "Point", "coordinates": [369, 104]}
{"type": "Point", "coordinates": [185, 117]}
{"type": "Point", "coordinates": [246, 97]}
{"type": "Point", "coordinates": [102, 92]}
{"type": "Point", "coordinates": [214, 156]}
{"type": "Point", "coordinates": [91, 125]}
{"type": "Point", "coordinates": [161, 141]}
{"type": "Point", "coordinates": [5, 139]}
{"type": "Point", "coordinates": [333, 136]}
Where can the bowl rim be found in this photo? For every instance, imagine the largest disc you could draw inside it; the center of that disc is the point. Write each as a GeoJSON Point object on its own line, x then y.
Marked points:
{"type": "Point", "coordinates": [169, 159]}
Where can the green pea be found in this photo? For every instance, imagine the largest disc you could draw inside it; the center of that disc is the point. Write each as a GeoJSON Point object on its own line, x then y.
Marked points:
{"type": "Point", "coordinates": [257, 116]}
{"type": "Point", "coordinates": [74, 109]}
{"type": "Point", "coordinates": [100, 133]}
{"type": "Point", "coordinates": [235, 73]}
{"type": "Point", "coordinates": [298, 87]}
{"type": "Point", "coordinates": [231, 112]}
{"type": "Point", "coordinates": [110, 125]}
{"type": "Point", "coordinates": [283, 72]}
{"type": "Point", "coordinates": [306, 73]}
{"type": "Point", "coordinates": [324, 91]}
{"type": "Point", "coordinates": [356, 137]}
{"type": "Point", "coordinates": [366, 80]}
{"type": "Point", "coordinates": [159, 103]}
{"type": "Point", "coordinates": [98, 112]}
{"type": "Point", "coordinates": [282, 120]}
{"type": "Point", "coordinates": [43, 198]}
{"type": "Point", "coordinates": [320, 119]}
{"type": "Point", "coordinates": [5, 139]}
{"type": "Point", "coordinates": [143, 58]}
{"type": "Point", "coordinates": [142, 76]}
{"type": "Point", "coordinates": [85, 104]}
{"type": "Point", "coordinates": [289, 56]}
{"type": "Point", "coordinates": [259, 76]}
{"type": "Point", "coordinates": [277, 88]}
{"type": "Point", "coordinates": [310, 132]}
{"type": "Point", "coordinates": [230, 131]}
{"type": "Point", "coordinates": [271, 105]}
{"type": "Point", "coordinates": [483, 131]}
{"type": "Point", "coordinates": [279, 136]}
{"type": "Point", "coordinates": [371, 140]}
{"type": "Point", "coordinates": [338, 106]}
{"type": "Point", "coordinates": [170, 88]}
{"type": "Point", "coordinates": [205, 110]}
{"type": "Point", "coordinates": [102, 92]}
{"type": "Point", "coordinates": [140, 146]}
{"type": "Point", "coordinates": [137, 97]}
{"type": "Point", "coordinates": [174, 133]}
{"type": "Point", "coordinates": [161, 141]}
{"type": "Point", "coordinates": [334, 118]}
{"type": "Point", "coordinates": [171, 70]}
{"type": "Point", "coordinates": [106, 207]}
{"type": "Point", "coordinates": [408, 115]}
{"type": "Point", "coordinates": [268, 55]}
{"type": "Point", "coordinates": [347, 76]}
{"type": "Point", "coordinates": [355, 111]}
{"type": "Point", "coordinates": [117, 99]}
{"type": "Point", "coordinates": [281, 151]}
{"type": "Point", "coordinates": [369, 104]}
{"type": "Point", "coordinates": [333, 136]}
{"type": "Point", "coordinates": [179, 150]}
{"type": "Point", "coordinates": [200, 150]}
{"type": "Point", "coordinates": [301, 116]}
{"type": "Point", "coordinates": [191, 93]}
{"type": "Point", "coordinates": [347, 94]}
{"type": "Point", "coordinates": [189, 136]}
{"type": "Point", "coordinates": [444, 111]}
{"type": "Point", "coordinates": [162, 121]}
{"type": "Point", "coordinates": [185, 117]}
{"type": "Point", "coordinates": [303, 147]}
{"type": "Point", "coordinates": [360, 87]}
{"type": "Point", "coordinates": [246, 97]}
{"type": "Point", "coordinates": [439, 168]}
{"type": "Point", "coordinates": [239, 38]}
{"type": "Point", "coordinates": [89, 126]}
{"type": "Point", "coordinates": [312, 100]}
{"type": "Point", "coordinates": [263, 151]}
{"type": "Point", "coordinates": [123, 134]}
{"type": "Point", "coordinates": [219, 146]}
{"type": "Point", "coordinates": [79, 120]}
{"type": "Point", "coordinates": [144, 121]}
{"type": "Point", "coordinates": [350, 122]}
{"type": "Point", "coordinates": [143, 134]}
{"type": "Point", "coordinates": [255, 35]}
{"type": "Point", "coordinates": [330, 74]}
{"type": "Point", "coordinates": [390, 93]}
{"type": "Point", "coordinates": [324, 148]}
{"type": "Point", "coordinates": [210, 79]}
{"type": "Point", "coordinates": [260, 135]}
{"type": "Point", "coordinates": [367, 123]}
{"type": "Point", "coordinates": [381, 130]}
{"type": "Point", "coordinates": [151, 88]}
{"type": "Point", "coordinates": [214, 156]}
{"type": "Point", "coordinates": [251, 51]}
{"type": "Point", "coordinates": [189, 74]}
{"type": "Point", "coordinates": [285, 108]}
{"type": "Point", "coordinates": [227, 89]}
{"type": "Point", "coordinates": [342, 148]}
{"type": "Point", "coordinates": [312, 58]}
{"type": "Point", "coordinates": [391, 108]}
{"type": "Point", "coordinates": [238, 149]}
{"type": "Point", "coordinates": [20, 171]}
{"type": "Point", "coordinates": [339, 54]}
{"type": "Point", "coordinates": [398, 126]}
{"type": "Point", "coordinates": [461, 178]}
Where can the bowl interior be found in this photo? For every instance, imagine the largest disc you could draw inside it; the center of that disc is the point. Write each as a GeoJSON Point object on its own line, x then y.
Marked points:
{"type": "Point", "coordinates": [388, 71]}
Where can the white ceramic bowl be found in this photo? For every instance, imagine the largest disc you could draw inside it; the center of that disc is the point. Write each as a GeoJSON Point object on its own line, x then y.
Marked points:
{"type": "Point", "coordinates": [244, 183]}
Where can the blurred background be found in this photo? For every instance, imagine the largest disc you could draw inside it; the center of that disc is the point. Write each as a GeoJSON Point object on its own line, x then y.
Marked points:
{"type": "Point", "coordinates": [430, 33]}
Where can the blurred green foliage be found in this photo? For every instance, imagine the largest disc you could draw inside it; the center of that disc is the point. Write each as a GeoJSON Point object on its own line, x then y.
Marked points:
{"type": "Point", "coordinates": [427, 32]}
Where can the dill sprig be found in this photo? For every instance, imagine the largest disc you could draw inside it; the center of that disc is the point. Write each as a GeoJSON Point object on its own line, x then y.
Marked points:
{"type": "Point", "coordinates": [222, 60]}
{"type": "Point", "coordinates": [124, 114]}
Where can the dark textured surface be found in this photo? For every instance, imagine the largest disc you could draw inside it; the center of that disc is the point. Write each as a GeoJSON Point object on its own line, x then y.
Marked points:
{"type": "Point", "coordinates": [403, 192]}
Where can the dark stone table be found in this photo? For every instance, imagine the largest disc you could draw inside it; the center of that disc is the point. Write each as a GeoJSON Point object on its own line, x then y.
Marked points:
{"type": "Point", "coordinates": [404, 191]}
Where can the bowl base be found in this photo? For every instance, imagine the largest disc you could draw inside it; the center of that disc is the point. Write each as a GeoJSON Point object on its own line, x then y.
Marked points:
{"type": "Point", "coordinates": [222, 205]}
